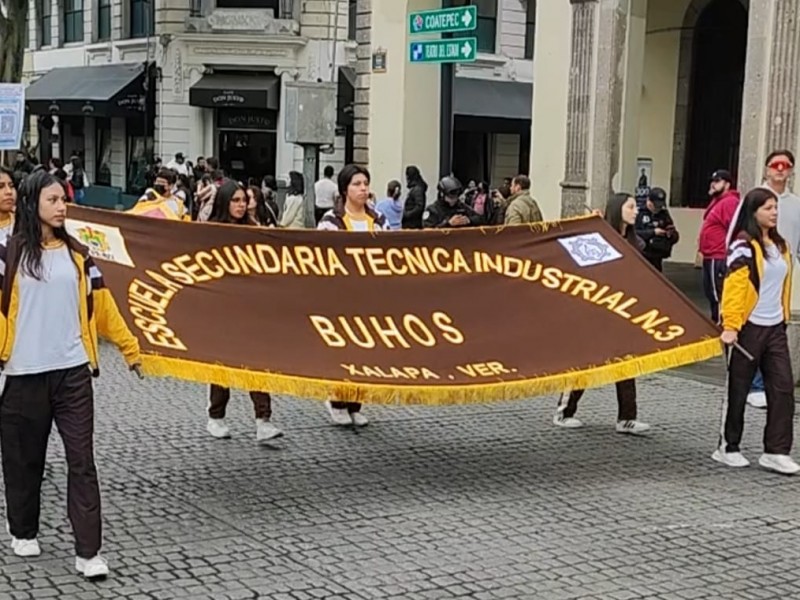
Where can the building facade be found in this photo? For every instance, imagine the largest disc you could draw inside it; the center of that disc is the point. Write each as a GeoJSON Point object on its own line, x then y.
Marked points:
{"type": "Point", "coordinates": [398, 105]}
{"type": "Point", "coordinates": [119, 82]}
{"type": "Point", "coordinates": [665, 91]}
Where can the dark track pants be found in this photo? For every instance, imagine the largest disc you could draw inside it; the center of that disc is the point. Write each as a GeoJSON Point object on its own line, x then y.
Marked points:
{"type": "Point", "coordinates": [713, 277]}
{"type": "Point", "coordinates": [220, 396]}
{"type": "Point", "coordinates": [28, 407]}
{"type": "Point", "coordinates": [626, 401]}
{"type": "Point", "coordinates": [351, 407]}
{"type": "Point", "coordinates": [770, 348]}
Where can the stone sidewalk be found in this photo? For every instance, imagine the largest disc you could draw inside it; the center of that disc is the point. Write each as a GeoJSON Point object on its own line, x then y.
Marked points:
{"type": "Point", "coordinates": [476, 502]}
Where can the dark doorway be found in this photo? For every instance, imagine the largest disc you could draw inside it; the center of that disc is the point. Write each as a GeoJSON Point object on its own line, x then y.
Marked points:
{"type": "Point", "coordinates": [715, 105]}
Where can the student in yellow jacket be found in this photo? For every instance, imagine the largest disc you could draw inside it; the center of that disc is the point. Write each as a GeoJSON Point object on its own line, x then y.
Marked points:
{"type": "Point", "coordinates": [53, 305]}
{"type": "Point", "coordinates": [755, 310]}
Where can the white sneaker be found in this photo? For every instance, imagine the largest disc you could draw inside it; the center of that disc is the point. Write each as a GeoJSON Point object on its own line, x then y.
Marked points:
{"type": "Point", "coordinates": [25, 548]}
{"type": "Point", "coordinates": [757, 399]}
{"type": "Point", "coordinates": [266, 431]}
{"type": "Point", "coordinates": [359, 420]}
{"type": "Point", "coordinates": [730, 459]}
{"type": "Point", "coordinates": [780, 463]}
{"type": "Point", "coordinates": [632, 427]}
{"type": "Point", "coordinates": [218, 429]}
{"type": "Point", "coordinates": [339, 416]}
{"type": "Point", "coordinates": [566, 422]}
{"type": "Point", "coordinates": [92, 568]}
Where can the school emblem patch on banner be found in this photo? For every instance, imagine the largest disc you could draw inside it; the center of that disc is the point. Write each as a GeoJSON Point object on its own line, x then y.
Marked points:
{"type": "Point", "coordinates": [430, 317]}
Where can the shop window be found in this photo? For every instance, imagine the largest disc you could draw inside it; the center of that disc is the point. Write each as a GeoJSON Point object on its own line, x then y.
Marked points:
{"type": "Point", "coordinates": [45, 22]}
{"type": "Point", "coordinates": [140, 149]}
{"type": "Point", "coordinates": [269, 4]}
{"type": "Point", "coordinates": [73, 21]}
{"type": "Point", "coordinates": [141, 18]}
{"type": "Point", "coordinates": [352, 19]}
{"type": "Point", "coordinates": [530, 28]}
{"type": "Point", "coordinates": [486, 31]}
{"type": "Point", "coordinates": [102, 145]}
{"type": "Point", "coordinates": [103, 20]}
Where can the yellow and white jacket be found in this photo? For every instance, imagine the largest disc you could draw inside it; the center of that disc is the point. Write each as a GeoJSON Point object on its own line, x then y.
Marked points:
{"type": "Point", "coordinates": [98, 310]}
{"type": "Point", "coordinates": [743, 281]}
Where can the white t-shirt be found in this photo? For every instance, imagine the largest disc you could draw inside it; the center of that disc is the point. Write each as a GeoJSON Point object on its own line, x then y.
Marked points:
{"type": "Point", "coordinates": [48, 334]}
{"type": "Point", "coordinates": [769, 308]}
{"type": "Point", "coordinates": [325, 191]}
{"type": "Point", "coordinates": [6, 229]}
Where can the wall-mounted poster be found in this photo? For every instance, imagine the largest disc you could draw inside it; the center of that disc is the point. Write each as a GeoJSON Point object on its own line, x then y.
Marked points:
{"type": "Point", "coordinates": [12, 112]}
{"type": "Point", "coordinates": [644, 177]}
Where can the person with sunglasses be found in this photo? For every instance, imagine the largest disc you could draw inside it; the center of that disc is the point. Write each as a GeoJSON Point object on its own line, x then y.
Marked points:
{"type": "Point", "coordinates": [779, 168]}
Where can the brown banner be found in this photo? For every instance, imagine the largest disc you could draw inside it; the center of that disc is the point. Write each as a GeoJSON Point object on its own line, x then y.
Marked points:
{"type": "Point", "coordinates": [412, 317]}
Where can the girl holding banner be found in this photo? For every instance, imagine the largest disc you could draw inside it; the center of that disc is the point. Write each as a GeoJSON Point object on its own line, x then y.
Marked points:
{"type": "Point", "coordinates": [352, 212]}
{"type": "Point", "coordinates": [756, 306]}
{"type": "Point", "coordinates": [230, 207]}
{"type": "Point", "coordinates": [53, 306]}
{"type": "Point", "coordinates": [621, 214]}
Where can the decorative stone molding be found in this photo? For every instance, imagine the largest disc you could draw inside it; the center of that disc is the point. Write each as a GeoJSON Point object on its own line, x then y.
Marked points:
{"type": "Point", "coordinates": [224, 20]}
{"type": "Point", "coordinates": [177, 74]}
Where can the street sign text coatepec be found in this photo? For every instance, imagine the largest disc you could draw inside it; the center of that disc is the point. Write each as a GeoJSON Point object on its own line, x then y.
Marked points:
{"type": "Point", "coordinates": [448, 20]}
{"type": "Point", "coordinates": [444, 51]}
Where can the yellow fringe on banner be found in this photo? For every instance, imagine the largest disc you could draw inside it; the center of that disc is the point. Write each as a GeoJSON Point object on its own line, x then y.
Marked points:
{"type": "Point", "coordinates": [627, 367]}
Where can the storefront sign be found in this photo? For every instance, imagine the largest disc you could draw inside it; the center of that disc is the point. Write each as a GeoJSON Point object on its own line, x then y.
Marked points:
{"type": "Point", "coordinates": [263, 120]}
{"type": "Point", "coordinates": [12, 112]}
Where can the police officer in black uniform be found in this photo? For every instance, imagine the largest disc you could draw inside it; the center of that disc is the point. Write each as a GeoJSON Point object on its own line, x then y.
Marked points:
{"type": "Point", "coordinates": [449, 210]}
{"type": "Point", "coordinates": [655, 226]}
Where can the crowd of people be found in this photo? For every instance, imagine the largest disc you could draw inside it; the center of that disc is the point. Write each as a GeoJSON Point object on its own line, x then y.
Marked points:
{"type": "Point", "coordinates": [52, 312]}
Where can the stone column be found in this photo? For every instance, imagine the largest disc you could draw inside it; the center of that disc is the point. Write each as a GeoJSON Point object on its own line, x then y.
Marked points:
{"type": "Point", "coordinates": [771, 113]}
{"type": "Point", "coordinates": [597, 76]}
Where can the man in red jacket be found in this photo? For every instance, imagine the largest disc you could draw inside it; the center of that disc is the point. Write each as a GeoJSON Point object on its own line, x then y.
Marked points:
{"type": "Point", "coordinates": [713, 235]}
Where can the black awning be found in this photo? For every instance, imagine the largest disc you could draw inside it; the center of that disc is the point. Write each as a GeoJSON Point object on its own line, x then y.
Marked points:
{"type": "Point", "coordinates": [99, 91]}
{"type": "Point", "coordinates": [236, 91]}
{"type": "Point", "coordinates": [498, 99]}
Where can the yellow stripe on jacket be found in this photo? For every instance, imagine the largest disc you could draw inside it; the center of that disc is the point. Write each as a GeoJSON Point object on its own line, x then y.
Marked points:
{"type": "Point", "coordinates": [739, 293]}
{"type": "Point", "coordinates": [99, 314]}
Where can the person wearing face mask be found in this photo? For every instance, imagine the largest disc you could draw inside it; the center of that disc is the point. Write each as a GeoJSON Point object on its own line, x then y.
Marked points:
{"type": "Point", "coordinates": [712, 241]}
{"type": "Point", "coordinates": [179, 165]}
{"type": "Point", "coordinates": [449, 210]}
{"type": "Point", "coordinates": [391, 207]}
{"type": "Point", "coordinates": [621, 212]}
{"type": "Point", "coordinates": [8, 203]}
{"type": "Point", "coordinates": [159, 201]}
{"type": "Point", "coordinates": [414, 206]}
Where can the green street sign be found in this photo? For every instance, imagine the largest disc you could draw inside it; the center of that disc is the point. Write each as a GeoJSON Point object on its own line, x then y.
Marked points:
{"type": "Point", "coordinates": [444, 51]}
{"type": "Point", "coordinates": [447, 20]}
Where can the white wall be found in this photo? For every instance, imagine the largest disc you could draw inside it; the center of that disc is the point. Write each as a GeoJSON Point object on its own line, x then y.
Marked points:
{"type": "Point", "coordinates": [549, 130]}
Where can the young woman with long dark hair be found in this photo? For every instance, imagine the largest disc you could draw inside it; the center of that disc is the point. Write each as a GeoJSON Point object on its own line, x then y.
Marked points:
{"type": "Point", "coordinates": [8, 203]}
{"type": "Point", "coordinates": [260, 211]}
{"type": "Point", "coordinates": [352, 212]}
{"type": "Point", "coordinates": [293, 215]}
{"type": "Point", "coordinates": [756, 306]}
{"type": "Point", "coordinates": [53, 306]}
{"type": "Point", "coordinates": [621, 214]}
{"type": "Point", "coordinates": [230, 207]}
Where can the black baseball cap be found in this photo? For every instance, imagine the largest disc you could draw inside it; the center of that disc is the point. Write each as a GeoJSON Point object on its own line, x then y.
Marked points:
{"type": "Point", "coordinates": [658, 197]}
{"type": "Point", "coordinates": [722, 175]}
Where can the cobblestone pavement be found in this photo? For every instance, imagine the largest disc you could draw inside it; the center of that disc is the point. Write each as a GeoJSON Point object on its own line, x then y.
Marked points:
{"type": "Point", "coordinates": [477, 502]}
